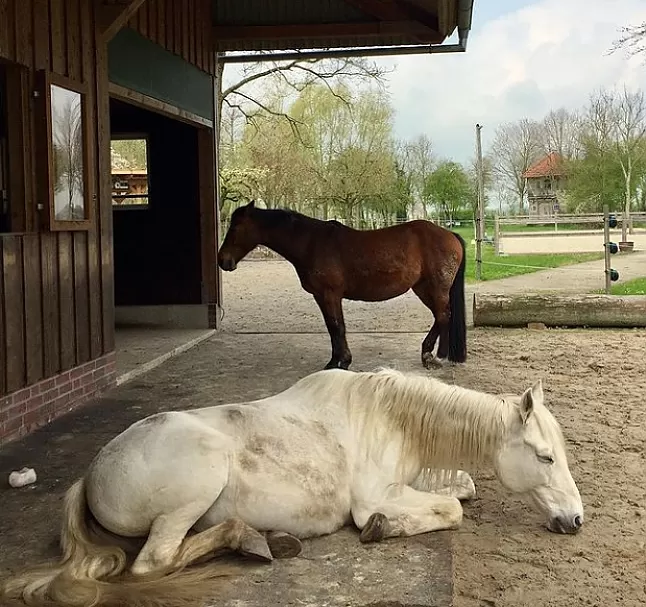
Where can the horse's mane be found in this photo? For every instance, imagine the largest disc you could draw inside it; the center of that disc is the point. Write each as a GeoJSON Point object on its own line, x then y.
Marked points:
{"type": "Point", "coordinates": [441, 425]}
{"type": "Point", "coordinates": [280, 217]}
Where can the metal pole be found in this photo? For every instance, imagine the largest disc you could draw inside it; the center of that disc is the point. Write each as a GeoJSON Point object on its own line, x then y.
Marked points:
{"type": "Point", "coordinates": [606, 247]}
{"type": "Point", "coordinates": [480, 209]}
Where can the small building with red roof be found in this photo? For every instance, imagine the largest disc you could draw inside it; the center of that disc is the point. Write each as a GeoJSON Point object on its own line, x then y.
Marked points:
{"type": "Point", "coordinates": [545, 185]}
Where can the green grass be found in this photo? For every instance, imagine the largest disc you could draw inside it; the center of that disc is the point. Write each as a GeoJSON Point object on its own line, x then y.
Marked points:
{"type": "Point", "coordinates": [538, 261]}
{"type": "Point", "coordinates": [637, 286]}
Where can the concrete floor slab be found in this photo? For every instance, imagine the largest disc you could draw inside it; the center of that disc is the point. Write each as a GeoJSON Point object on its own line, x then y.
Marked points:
{"type": "Point", "coordinates": [140, 349]}
{"type": "Point", "coordinates": [333, 571]}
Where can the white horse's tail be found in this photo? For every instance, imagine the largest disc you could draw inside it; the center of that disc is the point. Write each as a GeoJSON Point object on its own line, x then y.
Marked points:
{"type": "Point", "coordinates": [88, 575]}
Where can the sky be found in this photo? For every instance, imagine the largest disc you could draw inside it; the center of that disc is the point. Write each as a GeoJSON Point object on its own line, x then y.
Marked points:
{"type": "Point", "coordinates": [523, 59]}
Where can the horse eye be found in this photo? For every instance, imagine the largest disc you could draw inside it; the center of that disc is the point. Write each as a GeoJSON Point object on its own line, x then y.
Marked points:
{"type": "Point", "coordinates": [545, 459]}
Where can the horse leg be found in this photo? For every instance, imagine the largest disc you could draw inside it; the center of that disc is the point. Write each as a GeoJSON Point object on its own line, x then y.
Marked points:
{"type": "Point", "coordinates": [438, 304]}
{"type": "Point", "coordinates": [460, 486]}
{"type": "Point", "coordinates": [232, 534]}
{"type": "Point", "coordinates": [403, 512]}
{"type": "Point", "coordinates": [168, 548]}
{"type": "Point", "coordinates": [332, 310]}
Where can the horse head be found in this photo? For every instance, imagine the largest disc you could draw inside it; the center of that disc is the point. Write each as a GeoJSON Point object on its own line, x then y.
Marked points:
{"type": "Point", "coordinates": [242, 237]}
{"type": "Point", "coordinates": [532, 460]}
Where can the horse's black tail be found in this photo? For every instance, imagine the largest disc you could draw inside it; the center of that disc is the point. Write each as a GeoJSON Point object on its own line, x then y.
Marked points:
{"type": "Point", "coordinates": [458, 321]}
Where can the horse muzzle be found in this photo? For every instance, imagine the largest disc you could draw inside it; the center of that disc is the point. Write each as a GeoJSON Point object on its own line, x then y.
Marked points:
{"type": "Point", "coordinates": [227, 264]}
{"type": "Point", "coordinates": [564, 524]}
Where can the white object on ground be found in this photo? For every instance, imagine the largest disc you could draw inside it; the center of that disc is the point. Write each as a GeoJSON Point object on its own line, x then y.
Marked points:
{"type": "Point", "coordinates": [20, 478]}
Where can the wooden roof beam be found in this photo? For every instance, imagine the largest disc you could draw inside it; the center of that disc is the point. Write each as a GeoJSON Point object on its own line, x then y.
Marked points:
{"type": "Point", "coordinates": [397, 10]}
{"type": "Point", "coordinates": [111, 17]}
{"type": "Point", "coordinates": [223, 33]}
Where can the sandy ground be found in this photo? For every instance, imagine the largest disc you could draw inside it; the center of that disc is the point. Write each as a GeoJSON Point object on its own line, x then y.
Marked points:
{"type": "Point", "coordinates": [533, 242]}
{"type": "Point", "coordinates": [595, 383]}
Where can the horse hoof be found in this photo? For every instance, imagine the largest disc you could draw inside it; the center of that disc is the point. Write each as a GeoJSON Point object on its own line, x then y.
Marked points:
{"type": "Point", "coordinates": [283, 545]}
{"type": "Point", "coordinates": [376, 529]}
{"type": "Point", "coordinates": [255, 547]}
{"type": "Point", "coordinates": [430, 361]}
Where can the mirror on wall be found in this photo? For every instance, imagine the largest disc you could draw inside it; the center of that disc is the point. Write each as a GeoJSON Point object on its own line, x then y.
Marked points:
{"type": "Point", "coordinates": [67, 155]}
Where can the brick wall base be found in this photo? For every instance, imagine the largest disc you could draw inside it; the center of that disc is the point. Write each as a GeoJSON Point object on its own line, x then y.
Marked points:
{"type": "Point", "coordinates": [25, 410]}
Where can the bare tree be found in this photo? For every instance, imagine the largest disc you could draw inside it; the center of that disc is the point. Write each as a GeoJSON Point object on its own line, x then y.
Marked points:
{"type": "Point", "coordinates": [632, 40]}
{"type": "Point", "coordinates": [516, 146]}
{"type": "Point", "coordinates": [560, 132]}
{"type": "Point", "coordinates": [418, 161]}
{"type": "Point", "coordinates": [290, 77]}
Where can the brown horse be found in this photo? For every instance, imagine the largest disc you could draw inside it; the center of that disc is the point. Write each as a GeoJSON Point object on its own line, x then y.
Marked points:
{"type": "Point", "coordinates": [335, 262]}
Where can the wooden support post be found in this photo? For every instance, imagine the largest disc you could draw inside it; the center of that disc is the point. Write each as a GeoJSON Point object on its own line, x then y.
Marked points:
{"type": "Point", "coordinates": [112, 17]}
{"type": "Point", "coordinates": [559, 310]}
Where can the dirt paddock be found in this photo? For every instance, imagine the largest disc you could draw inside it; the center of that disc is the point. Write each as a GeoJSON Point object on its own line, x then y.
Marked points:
{"type": "Point", "coordinates": [595, 384]}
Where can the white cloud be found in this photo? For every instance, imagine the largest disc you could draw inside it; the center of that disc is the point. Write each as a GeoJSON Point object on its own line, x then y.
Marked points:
{"type": "Point", "coordinates": [549, 54]}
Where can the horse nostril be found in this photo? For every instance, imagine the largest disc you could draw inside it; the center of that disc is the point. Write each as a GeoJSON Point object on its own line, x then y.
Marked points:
{"type": "Point", "coordinates": [578, 522]}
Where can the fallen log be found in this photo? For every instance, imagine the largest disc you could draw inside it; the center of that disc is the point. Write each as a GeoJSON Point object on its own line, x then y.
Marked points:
{"type": "Point", "coordinates": [559, 310]}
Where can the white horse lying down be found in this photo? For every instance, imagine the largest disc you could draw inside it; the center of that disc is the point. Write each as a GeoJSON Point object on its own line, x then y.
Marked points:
{"type": "Point", "coordinates": [337, 447]}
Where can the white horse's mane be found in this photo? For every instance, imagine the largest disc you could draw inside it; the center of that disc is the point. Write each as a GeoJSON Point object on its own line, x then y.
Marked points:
{"type": "Point", "coordinates": [440, 425]}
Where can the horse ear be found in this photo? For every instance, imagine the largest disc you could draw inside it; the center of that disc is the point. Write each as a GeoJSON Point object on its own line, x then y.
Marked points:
{"type": "Point", "coordinates": [529, 398]}
{"type": "Point", "coordinates": [252, 204]}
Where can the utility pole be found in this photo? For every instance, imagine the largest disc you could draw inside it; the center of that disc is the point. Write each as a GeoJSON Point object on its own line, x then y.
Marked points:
{"type": "Point", "coordinates": [480, 204]}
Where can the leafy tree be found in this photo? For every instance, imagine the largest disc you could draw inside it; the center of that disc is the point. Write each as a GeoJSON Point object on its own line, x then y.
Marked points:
{"type": "Point", "coordinates": [416, 160]}
{"type": "Point", "coordinates": [449, 188]}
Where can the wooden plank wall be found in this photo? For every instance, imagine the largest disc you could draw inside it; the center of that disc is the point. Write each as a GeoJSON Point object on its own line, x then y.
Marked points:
{"type": "Point", "coordinates": [55, 288]}
{"type": "Point", "coordinates": [182, 27]}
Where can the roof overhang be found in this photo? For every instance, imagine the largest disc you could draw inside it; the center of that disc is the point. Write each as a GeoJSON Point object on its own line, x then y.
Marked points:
{"type": "Point", "coordinates": [253, 30]}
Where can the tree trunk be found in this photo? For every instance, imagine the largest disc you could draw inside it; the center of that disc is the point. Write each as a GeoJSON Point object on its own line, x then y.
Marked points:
{"type": "Point", "coordinates": [559, 310]}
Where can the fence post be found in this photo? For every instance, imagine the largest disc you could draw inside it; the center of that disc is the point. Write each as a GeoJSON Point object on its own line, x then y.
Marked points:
{"type": "Point", "coordinates": [480, 210]}
{"type": "Point", "coordinates": [606, 248]}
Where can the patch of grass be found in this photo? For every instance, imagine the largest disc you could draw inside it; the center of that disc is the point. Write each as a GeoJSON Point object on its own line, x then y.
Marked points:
{"type": "Point", "coordinates": [539, 261]}
{"type": "Point", "coordinates": [637, 286]}
{"type": "Point", "coordinates": [536, 261]}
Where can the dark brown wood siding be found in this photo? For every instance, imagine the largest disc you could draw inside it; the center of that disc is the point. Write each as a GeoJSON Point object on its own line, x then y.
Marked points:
{"type": "Point", "coordinates": [57, 288]}
{"type": "Point", "coordinates": [52, 283]}
{"type": "Point", "coordinates": [182, 27]}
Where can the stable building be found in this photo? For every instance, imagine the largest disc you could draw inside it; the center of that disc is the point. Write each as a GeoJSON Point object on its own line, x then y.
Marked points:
{"type": "Point", "coordinates": [87, 237]}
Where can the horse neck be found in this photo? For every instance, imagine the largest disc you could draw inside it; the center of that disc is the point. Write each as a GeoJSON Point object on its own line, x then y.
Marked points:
{"type": "Point", "coordinates": [283, 235]}
{"type": "Point", "coordinates": [439, 426]}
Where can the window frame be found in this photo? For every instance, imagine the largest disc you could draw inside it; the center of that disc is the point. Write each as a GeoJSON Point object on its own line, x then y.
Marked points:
{"type": "Point", "coordinates": [21, 210]}
{"type": "Point", "coordinates": [124, 136]}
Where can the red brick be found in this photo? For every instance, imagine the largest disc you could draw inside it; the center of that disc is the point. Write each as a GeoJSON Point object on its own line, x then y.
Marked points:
{"type": "Point", "coordinates": [13, 411]}
{"type": "Point", "coordinates": [76, 394]}
{"type": "Point", "coordinates": [11, 425]}
{"type": "Point", "coordinates": [47, 385]}
{"type": "Point", "coordinates": [22, 395]}
{"type": "Point", "coordinates": [51, 394]}
{"type": "Point", "coordinates": [54, 397]}
{"type": "Point", "coordinates": [62, 400]}
{"type": "Point", "coordinates": [62, 379]}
